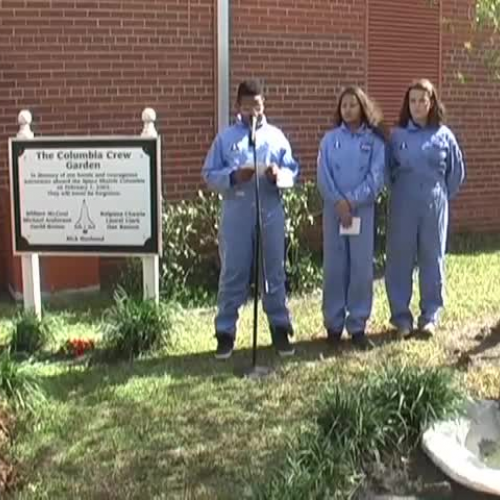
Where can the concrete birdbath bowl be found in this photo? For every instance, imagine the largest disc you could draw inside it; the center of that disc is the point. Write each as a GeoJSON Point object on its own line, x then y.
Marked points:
{"type": "Point", "coordinates": [467, 448]}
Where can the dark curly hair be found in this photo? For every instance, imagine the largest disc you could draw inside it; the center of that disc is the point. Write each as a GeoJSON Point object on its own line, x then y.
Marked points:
{"type": "Point", "coordinates": [249, 88]}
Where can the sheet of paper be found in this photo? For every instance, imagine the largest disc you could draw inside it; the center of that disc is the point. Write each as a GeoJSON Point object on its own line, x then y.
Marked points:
{"type": "Point", "coordinates": [284, 179]}
{"type": "Point", "coordinates": [353, 230]}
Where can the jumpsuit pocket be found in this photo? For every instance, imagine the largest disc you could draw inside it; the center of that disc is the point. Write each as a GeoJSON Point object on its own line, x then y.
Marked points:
{"type": "Point", "coordinates": [403, 158]}
{"type": "Point", "coordinates": [437, 150]}
{"type": "Point", "coordinates": [364, 164]}
{"type": "Point", "coordinates": [437, 154]}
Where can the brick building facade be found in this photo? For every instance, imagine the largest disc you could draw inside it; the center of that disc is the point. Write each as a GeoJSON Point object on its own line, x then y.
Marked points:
{"type": "Point", "coordinates": [91, 66]}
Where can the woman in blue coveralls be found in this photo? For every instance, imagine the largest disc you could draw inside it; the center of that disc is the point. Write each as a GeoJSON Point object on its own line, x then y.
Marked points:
{"type": "Point", "coordinates": [229, 169]}
{"type": "Point", "coordinates": [351, 163]}
{"type": "Point", "coordinates": [425, 171]}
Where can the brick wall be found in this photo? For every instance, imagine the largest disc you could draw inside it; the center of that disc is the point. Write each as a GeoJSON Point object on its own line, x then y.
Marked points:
{"type": "Point", "coordinates": [305, 51]}
{"type": "Point", "coordinates": [400, 32]}
{"type": "Point", "coordinates": [91, 66]}
{"type": "Point", "coordinates": [472, 97]}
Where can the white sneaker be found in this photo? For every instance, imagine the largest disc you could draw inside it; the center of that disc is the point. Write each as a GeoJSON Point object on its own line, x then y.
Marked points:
{"type": "Point", "coordinates": [428, 329]}
{"type": "Point", "coordinates": [404, 332]}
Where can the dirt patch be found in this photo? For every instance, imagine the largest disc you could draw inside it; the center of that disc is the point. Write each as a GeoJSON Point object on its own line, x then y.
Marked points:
{"type": "Point", "coordinates": [416, 478]}
{"type": "Point", "coordinates": [8, 476]}
{"type": "Point", "coordinates": [422, 469]}
{"type": "Point", "coordinates": [8, 469]}
{"type": "Point", "coordinates": [6, 425]}
{"type": "Point", "coordinates": [475, 347]}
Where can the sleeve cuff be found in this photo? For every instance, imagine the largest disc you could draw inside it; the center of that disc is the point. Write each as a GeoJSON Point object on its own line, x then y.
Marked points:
{"type": "Point", "coordinates": [232, 178]}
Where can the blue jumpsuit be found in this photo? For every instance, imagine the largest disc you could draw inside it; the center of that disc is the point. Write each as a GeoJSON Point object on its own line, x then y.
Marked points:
{"type": "Point", "coordinates": [231, 150]}
{"type": "Point", "coordinates": [350, 166]}
{"type": "Point", "coordinates": [425, 170]}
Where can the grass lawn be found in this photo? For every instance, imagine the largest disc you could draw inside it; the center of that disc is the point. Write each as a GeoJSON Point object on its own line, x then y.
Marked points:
{"type": "Point", "coordinates": [179, 425]}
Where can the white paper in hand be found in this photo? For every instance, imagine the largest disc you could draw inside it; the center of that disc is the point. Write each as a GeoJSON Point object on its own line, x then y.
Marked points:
{"type": "Point", "coordinates": [353, 230]}
{"type": "Point", "coordinates": [284, 179]}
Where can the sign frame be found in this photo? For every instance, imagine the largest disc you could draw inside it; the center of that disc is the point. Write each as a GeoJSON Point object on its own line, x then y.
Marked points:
{"type": "Point", "coordinates": [151, 146]}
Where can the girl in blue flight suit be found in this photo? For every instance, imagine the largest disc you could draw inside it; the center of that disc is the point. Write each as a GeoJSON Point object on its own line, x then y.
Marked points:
{"type": "Point", "coordinates": [425, 171]}
{"type": "Point", "coordinates": [350, 175]}
{"type": "Point", "coordinates": [228, 169]}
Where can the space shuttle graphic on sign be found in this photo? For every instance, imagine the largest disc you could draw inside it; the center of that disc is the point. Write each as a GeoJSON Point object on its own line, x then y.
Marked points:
{"type": "Point", "coordinates": [84, 222]}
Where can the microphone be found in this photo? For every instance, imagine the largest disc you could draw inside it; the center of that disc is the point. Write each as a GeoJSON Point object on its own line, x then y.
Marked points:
{"type": "Point", "coordinates": [253, 121]}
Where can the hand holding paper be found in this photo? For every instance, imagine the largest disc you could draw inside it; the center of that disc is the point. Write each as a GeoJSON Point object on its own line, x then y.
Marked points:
{"type": "Point", "coordinates": [272, 172]}
{"type": "Point", "coordinates": [353, 230]}
{"type": "Point", "coordinates": [282, 177]}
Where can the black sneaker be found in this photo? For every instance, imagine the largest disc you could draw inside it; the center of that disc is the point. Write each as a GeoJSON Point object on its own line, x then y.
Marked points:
{"type": "Point", "coordinates": [333, 337]}
{"type": "Point", "coordinates": [428, 329]}
{"type": "Point", "coordinates": [279, 335]}
{"type": "Point", "coordinates": [225, 346]}
{"type": "Point", "coordinates": [361, 341]}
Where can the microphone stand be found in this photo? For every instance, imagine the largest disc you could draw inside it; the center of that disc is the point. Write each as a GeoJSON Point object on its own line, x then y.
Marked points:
{"type": "Point", "coordinates": [259, 261]}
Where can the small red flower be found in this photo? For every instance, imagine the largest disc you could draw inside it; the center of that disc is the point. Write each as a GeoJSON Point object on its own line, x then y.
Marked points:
{"type": "Point", "coordinates": [77, 347]}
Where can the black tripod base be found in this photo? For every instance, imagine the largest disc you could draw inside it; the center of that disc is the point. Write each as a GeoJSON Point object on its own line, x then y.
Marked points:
{"type": "Point", "coordinates": [256, 372]}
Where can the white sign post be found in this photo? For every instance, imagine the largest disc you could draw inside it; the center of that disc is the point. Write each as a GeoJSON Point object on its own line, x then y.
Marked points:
{"type": "Point", "coordinates": [86, 196]}
{"type": "Point", "coordinates": [30, 263]}
{"type": "Point", "coordinates": [150, 263]}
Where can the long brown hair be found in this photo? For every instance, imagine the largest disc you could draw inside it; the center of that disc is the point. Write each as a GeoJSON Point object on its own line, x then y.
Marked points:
{"type": "Point", "coordinates": [371, 114]}
{"type": "Point", "coordinates": [437, 112]}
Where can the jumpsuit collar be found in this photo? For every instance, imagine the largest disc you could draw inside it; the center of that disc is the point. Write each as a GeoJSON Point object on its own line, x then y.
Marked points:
{"type": "Point", "coordinates": [260, 123]}
{"type": "Point", "coordinates": [359, 131]}
{"type": "Point", "coordinates": [414, 127]}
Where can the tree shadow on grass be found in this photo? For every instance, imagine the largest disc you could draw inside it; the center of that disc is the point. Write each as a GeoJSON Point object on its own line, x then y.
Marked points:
{"type": "Point", "coordinates": [487, 349]}
{"type": "Point", "coordinates": [473, 243]}
{"type": "Point", "coordinates": [130, 449]}
{"type": "Point", "coordinates": [84, 376]}
{"type": "Point", "coordinates": [490, 341]}
{"type": "Point", "coordinates": [72, 309]}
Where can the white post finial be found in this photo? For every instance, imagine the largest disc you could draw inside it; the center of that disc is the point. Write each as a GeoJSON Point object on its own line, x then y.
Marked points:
{"type": "Point", "coordinates": [149, 118]}
{"type": "Point", "coordinates": [30, 265]}
{"type": "Point", "coordinates": [150, 263]}
{"type": "Point", "coordinates": [24, 119]}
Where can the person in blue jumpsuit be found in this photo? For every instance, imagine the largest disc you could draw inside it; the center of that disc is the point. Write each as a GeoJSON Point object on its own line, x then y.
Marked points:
{"type": "Point", "coordinates": [229, 170]}
{"type": "Point", "coordinates": [350, 176]}
{"type": "Point", "coordinates": [425, 171]}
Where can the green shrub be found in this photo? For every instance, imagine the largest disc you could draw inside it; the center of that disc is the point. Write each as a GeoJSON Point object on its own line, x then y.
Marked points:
{"type": "Point", "coordinates": [381, 213]}
{"type": "Point", "coordinates": [313, 469]}
{"type": "Point", "coordinates": [30, 334]}
{"type": "Point", "coordinates": [303, 212]}
{"type": "Point", "coordinates": [18, 387]}
{"type": "Point", "coordinates": [189, 265]}
{"type": "Point", "coordinates": [190, 261]}
{"type": "Point", "coordinates": [135, 326]}
{"type": "Point", "coordinates": [359, 423]}
{"type": "Point", "coordinates": [389, 411]}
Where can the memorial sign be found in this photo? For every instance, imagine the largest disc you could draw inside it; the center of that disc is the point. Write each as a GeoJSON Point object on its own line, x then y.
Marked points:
{"type": "Point", "coordinates": [86, 195]}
